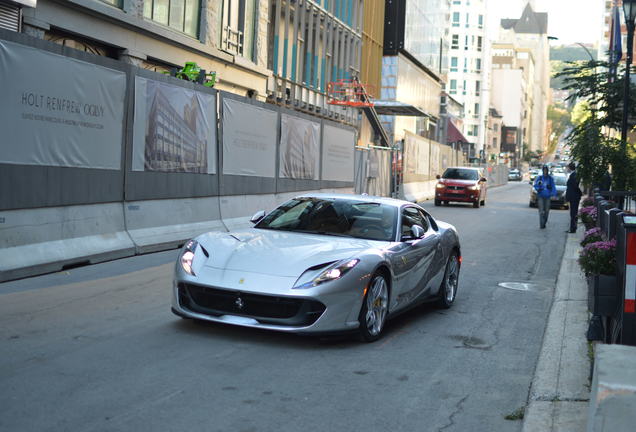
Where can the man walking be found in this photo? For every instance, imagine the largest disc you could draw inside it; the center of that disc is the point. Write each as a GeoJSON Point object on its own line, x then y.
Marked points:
{"type": "Point", "coordinates": [573, 196]}
{"type": "Point", "coordinates": [544, 185]}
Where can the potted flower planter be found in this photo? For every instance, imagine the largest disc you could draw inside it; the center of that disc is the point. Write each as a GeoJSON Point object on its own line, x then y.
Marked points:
{"type": "Point", "coordinates": [602, 298]}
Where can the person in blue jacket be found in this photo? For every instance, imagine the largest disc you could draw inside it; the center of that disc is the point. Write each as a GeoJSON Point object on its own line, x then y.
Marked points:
{"type": "Point", "coordinates": [544, 185]}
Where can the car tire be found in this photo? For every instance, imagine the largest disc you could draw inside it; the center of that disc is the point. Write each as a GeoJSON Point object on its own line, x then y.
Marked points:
{"type": "Point", "coordinates": [531, 204]}
{"type": "Point", "coordinates": [448, 288]}
{"type": "Point", "coordinates": [476, 203]}
{"type": "Point", "coordinates": [437, 203]}
{"type": "Point", "coordinates": [483, 202]}
{"type": "Point", "coordinates": [375, 308]}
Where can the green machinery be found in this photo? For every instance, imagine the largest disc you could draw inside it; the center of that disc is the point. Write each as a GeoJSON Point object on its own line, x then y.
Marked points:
{"type": "Point", "coordinates": [192, 72]}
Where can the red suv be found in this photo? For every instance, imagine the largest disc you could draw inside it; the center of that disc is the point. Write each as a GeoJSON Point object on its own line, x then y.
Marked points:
{"type": "Point", "coordinates": [461, 184]}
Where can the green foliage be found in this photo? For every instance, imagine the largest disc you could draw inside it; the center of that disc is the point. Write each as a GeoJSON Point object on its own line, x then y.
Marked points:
{"type": "Point", "coordinates": [570, 53]}
{"type": "Point", "coordinates": [559, 119]}
{"type": "Point", "coordinates": [599, 108]}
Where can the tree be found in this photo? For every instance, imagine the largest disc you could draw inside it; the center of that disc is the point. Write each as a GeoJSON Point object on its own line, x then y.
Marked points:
{"type": "Point", "coordinates": [559, 121]}
{"type": "Point", "coordinates": [591, 82]}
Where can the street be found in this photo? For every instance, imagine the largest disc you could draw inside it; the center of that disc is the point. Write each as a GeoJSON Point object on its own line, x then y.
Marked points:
{"type": "Point", "coordinates": [97, 349]}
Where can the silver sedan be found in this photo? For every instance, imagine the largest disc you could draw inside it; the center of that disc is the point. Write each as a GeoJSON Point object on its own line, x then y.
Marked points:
{"type": "Point", "coordinates": [320, 264]}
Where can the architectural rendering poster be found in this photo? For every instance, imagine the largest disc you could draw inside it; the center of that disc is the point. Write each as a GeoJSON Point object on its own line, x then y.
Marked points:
{"type": "Point", "coordinates": [249, 139]}
{"type": "Point", "coordinates": [174, 129]}
{"type": "Point", "coordinates": [337, 154]}
{"type": "Point", "coordinates": [299, 148]}
{"type": "Point", "coordinates": [58, 111]}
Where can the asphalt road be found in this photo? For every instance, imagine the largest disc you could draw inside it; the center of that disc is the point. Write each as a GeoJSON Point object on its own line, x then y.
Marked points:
{"type": "Point", "coordinates": [97, 348]}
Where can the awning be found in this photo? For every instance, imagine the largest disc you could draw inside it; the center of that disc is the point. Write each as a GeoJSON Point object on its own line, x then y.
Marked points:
{"type": "Point", "coordinates": [390, 107]}
{"type": "Point", "coordinates": [454, 135]}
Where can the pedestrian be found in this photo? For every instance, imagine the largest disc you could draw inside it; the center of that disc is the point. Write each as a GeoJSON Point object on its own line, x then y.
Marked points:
{"type": "Point", "coordinates": [573, 195]}
{"type": "Point", "coordinates": [544, 185]}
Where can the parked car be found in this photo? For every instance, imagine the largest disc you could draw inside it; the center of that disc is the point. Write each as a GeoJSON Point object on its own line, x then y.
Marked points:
{"type": "Point", "coordinates": [560, 181]}
{"type": "Point", "coordinates": [533, 173]}
{"type": "Point", "coordinates": [514, 175]}
{"type": "Point", "coordinates": [318, 264]}
{"type": "Point", "coordinates": [461, 184]}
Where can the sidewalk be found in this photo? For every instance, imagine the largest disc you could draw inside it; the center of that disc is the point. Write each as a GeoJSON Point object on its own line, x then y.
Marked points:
{"type": "Point", "coordinates": [560, 391]}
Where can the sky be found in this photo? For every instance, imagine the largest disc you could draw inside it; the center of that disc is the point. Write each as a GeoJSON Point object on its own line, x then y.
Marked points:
{"type": "Point", "coordinates": [569, 20]}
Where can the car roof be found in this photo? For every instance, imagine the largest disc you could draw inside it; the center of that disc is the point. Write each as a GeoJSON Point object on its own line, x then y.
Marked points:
{"type": "Point", "coordinates": [362, 198]}
{"type": "Point", "coordinates": [466, 168]}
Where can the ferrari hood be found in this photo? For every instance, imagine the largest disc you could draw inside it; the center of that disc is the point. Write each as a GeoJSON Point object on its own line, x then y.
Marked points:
{"type": "Point", "coordinates": [278, 253]}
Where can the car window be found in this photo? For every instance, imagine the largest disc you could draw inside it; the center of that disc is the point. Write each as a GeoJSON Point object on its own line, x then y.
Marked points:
{"type": "Point", "coordinates": [412, 216]}
{"type": "Point", "coordinates": [461, 174]}
{"type": "Point", "coordinates": [331, 216]}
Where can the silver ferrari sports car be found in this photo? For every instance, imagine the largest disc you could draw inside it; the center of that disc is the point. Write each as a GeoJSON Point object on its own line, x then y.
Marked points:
{"type": "Point", "coordinates": [320, 264]}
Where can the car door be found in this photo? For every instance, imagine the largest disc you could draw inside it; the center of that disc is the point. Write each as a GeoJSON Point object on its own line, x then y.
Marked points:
{"type": "Point", "coordinates": [413, 256]}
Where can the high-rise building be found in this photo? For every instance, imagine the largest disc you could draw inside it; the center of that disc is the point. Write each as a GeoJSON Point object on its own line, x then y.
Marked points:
{"type": "Point", "coordinates": [531, 32]}
{"type": "Point", "coordinates": [467, 66]}
{"type": "Point", "coordinates": [415, 61]}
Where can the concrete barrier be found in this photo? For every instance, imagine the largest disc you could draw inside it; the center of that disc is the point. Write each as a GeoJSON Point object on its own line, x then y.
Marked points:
{"type": "Point", "coordinates": [613, 398]}
{"type": "Point", "coordinates": [37, 241]}
{"type": "Point", "coordinates": [418, 191]}
{"type": "Point", "coordinates": [156, 225]}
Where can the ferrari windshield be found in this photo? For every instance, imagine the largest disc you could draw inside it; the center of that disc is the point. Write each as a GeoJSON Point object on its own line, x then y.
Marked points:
{"type": "Point", "coordinates": [461, 174]}
{"type": "Point", "coordinates": [337, 217]}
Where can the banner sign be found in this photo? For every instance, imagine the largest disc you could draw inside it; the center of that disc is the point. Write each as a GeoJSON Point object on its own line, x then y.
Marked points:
{"type": "Point", "coordinates": [299, 148]}
{"type": "Point", "coordinates": [174, 129]}
{"type": "Point", "coordinates": [59, 111]}
{"type": "Point", "coordinates": [249, 139]}
{"type": "Point", "coordinates": [337, 154]}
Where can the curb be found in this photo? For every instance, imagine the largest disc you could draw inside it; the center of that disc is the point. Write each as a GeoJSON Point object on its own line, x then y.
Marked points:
{"type": "Point", "coordinates": [559, 394]}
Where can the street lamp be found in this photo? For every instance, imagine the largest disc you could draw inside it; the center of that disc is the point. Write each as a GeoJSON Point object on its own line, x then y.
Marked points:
{"type": "Point", "coordinates": [629, 9]}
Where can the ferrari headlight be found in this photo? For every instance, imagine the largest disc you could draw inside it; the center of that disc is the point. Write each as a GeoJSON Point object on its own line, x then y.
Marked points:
{"type": "Point", "coordinates": [187, 257]}
{"type": "Point", "coordinates": [333, 272]}
{"type": "Point", "coordinates": [473, 188]}
{"type": "Point", "coordinates": [440, 186]}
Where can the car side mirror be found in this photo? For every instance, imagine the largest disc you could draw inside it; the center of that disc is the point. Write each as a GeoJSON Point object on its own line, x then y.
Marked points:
{"type": "Point", "coordinates": [258, 216]}
{"type": "Point", "coordinates": [438, 176]}
{"type": "Point", "coordinates": [417, 232]}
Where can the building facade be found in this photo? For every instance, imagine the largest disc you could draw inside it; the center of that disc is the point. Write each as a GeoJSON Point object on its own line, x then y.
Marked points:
{"type": "Point", "coordinates": [530, 32]}
{"type": "Point", "coordinates": [467, 66]}
{"type": "Point", "coordinates": [414, 64]}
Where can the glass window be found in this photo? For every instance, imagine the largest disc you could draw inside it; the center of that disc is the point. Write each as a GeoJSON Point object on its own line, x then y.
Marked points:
{"type": "Point", "coordinates": [455, 42]}
{"type": "Point", "coordinates": [238, 21]}
{"type": "Point", "coordinates": [475, 130]}
{"type": "Point", "coordinates": [477, 88]}
{"type": "Point", "coordinates": [466, 42]}
{"type": "Point", "coordinates": [461, 174]}
{"type": "Point", "coordinates": [480, 21]}
{"type": "Point", "coordinates": [412, 216]}
{"type": "Point", "coordinates": [464, 87]}
{"type": "Point", "coordinates": [116, 3]}
{"type": "Point", "coordinates": [465, 64]}
{"type": "Point", "coordinates": [479, 41]}
{"type": "Point", "coordinates": [336, 217]}
{"type": "Point", "coordinates": [455, 19]}
{"type": "Point", "coordinates": [453, 65]}
{"type": "Point", "coordinates": [458, 2]}
{"type": "Point", "coordinates": [477, 65]}
{"type": "Point", "coordinates": [181, 15]}
{"type": "Point", "coordinates": [453, 86]}
{"type": "Point", "coordinates": [467, 20]}
{"type": "Point", "coordinates": [476, 109]}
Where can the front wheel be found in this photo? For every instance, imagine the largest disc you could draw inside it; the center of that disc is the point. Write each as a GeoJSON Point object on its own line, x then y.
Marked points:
{"type": "Point", "coordinates": [476, 203]}
{"type": "Point", "coordinates": [448, 290]}
{"type": "Point", "coordinates": [437, 203]}
{"type": "Point", "coordinates": [375, 306]}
